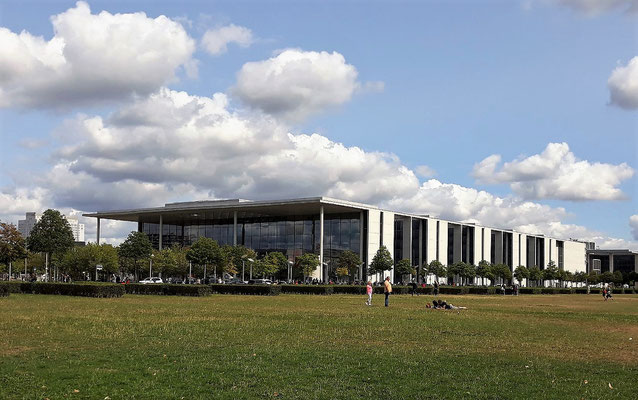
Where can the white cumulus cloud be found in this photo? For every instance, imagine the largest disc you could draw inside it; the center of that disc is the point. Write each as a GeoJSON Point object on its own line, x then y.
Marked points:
{"type": "Point", "coordinates": [556, 173]}
{"type": "Point", "coordinates": [296, 83]}
{"type": "Point", "coordinates": [623, 85]}
{"type": "Point", "coordinates": [92, 58]}
{"type": "Point", "coordinates": [215, 41]}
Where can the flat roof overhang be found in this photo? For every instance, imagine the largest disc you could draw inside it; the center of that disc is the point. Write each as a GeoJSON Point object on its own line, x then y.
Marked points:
{"type": "Point", "coordinates": [225, 209]}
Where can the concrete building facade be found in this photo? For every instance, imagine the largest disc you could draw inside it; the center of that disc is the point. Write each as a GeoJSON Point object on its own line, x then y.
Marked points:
{"type": "Point", "coordinates": [31, 218]}
{"type": "Point", "coordinates": [327, 227]}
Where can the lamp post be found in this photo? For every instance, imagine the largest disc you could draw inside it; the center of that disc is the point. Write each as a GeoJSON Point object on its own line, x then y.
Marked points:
{"type": "Point", "coordinates": [325, 272]}
{"type": "Point", "coordinates": [150, 266]}
{"type": "Point", "coordinates": [251, 268]}
{"type": "Point", "coordinates": [290, 263]}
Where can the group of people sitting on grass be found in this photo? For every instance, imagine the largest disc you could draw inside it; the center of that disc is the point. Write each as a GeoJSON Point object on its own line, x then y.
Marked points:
{"type": "Point", "coordinates": [443, 305]}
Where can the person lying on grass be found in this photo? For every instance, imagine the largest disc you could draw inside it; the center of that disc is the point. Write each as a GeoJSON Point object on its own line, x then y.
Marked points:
{"type": "Point", "coordinates": [442, 305]}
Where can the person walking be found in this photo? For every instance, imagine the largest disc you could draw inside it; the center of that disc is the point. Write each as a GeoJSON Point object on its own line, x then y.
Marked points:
{"type": "Point", "coordinates": [436, 287]}
{"type": "Point", "coordinates": [369, 293]}
{"type": "Point", "coordinates": [387, 289]}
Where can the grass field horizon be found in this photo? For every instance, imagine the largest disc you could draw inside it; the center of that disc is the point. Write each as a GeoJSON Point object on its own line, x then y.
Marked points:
{"type": "Point", "coordinates": [301, 346]}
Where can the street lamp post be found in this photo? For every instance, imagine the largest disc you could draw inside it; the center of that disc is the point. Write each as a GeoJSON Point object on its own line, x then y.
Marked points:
{"type": "Point", "coordinates": [150, 266]}
{"type": "Point", "coordinates": [290, 263]}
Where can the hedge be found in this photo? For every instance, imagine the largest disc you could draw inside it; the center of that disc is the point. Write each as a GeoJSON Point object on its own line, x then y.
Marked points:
{"type": "Point", "coordinates": [168, 289]}
{"type": "Point", "coordinates": [66, 289]}
{"type": "Point", "coordinates": [264, 290]}
{"type": "Point", "coordinates": [4, 290]}
{"type": "Point", "coordinates": [311, 289]}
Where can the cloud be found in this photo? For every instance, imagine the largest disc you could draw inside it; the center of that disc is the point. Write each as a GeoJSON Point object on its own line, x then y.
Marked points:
{"type": "Point", "coordinates": [92, 58]}
{"type": "Point", "coordinates": [424, 171]}
{"type": "Point", "coordinates": [623, 85]}
{"type": "Point", "coordinates": [215, 41]}
{"type": "Point", "coordinates": [297, 83]}
{"type": "Point", "coordinates": [173, 146]}
{"type": "Point", "coordinates": [597, 7]}
{"type": "Point", "coordinates": [633, 223]}
{"type": "Point", "coordinates": [555, 174]}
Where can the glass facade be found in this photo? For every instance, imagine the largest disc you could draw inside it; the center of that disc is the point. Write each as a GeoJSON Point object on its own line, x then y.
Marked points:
{"type": "Point", "coordinates": [292, 236]}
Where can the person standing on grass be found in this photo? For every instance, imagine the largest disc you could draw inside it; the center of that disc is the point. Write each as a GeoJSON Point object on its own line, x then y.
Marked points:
{"type": "Point", "coordinates": [413, 286]}
{"type": "Point", "coordinates": [436, 287]}
{"type": "Point", "coordinates": [387, 289]}
{"type": "Point", "coordinates": [369, 293]}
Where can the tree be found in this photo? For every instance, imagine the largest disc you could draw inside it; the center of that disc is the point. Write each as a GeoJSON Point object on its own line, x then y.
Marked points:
{"type": "Point", "coordinates": [51, 235]}
{"type": "Point", "coordinates": [238, 256]}
{"type": "Point", "coordinates": [136, 247]}
{"type": "Point", "coordinates": [482, 270]}
{"type": "Point", "coordinates": [342, 272]}
{"type": "Point", "coordinates": [535, 274]}
{"type": "Point", "coordinates": [404, 267]}
{"type": "Point", "coordinates": [502, 271]}
{"type": "Point", "coordinates": [382, 261]}
{"type": "Point", "coordinates": [617, 278]}
{"type": "Point", "coordinates": [580, 276]}
{"type": "Point", "coordinates": [521, 272]}
{"type": "Point", "coordinates": [454, 269]}
{"type": "Point", "coordinates": [164, 262]}
{"type": "Point", "coordinates": [551, 272]}
{"type": "Point", "coordinates": [204, 252]}
{"type": "Point", "coordinates": [308, 263]}
{"type": "Point", "coordinates": [12, 245]}
{"type": "Point", "coordinates": [467, 272]}
{"type": "Point", "coordinates": [593, 278]}
{"type": "Point", "coordinates": [80, 260]}
{"type": "Point", "coordinates": [437, 269]}
{"type": "Point", "coordinates": [350, 261]}
{"type": "Point", "coordinates": [272, 263]}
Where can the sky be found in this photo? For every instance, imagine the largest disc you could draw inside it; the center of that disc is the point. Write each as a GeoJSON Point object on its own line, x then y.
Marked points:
{"type": "Point", "coordinates": [513, 114]}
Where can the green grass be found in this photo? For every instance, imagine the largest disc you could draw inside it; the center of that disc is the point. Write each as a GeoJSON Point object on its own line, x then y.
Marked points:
{"type": "Point", "coordinates": [323, 347]}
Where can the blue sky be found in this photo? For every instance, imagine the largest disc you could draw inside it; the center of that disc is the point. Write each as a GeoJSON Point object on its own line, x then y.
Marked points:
{"type": "Point", "coordinates": [438, 84]}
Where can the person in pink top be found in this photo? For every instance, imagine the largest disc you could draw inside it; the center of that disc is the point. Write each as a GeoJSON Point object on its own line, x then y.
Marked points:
{"type": "Point", "coordinates": [369, 292]}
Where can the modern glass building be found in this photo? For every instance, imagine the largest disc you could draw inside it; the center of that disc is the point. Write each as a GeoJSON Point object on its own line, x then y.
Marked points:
{"type": "Point", "coordinates": [327, 227]}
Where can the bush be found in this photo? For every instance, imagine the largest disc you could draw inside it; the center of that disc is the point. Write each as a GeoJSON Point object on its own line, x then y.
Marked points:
{"type": "Point", "coordinates": [530, 290]}
{"type": "Point", "coordinates": [67, 289]}
{"type": "Point", "coordinates": [264, 290]}
{"type": "Point", "coordinates": [311, 289]}
{"type": "Point", "coordinates": [168, 289]}
{"type": "Point", "coordinates": [349, 289]}
{"type": "Point", "coordinates": [454, 290]}
{"type": "Point", "coordinates": [4, 290]}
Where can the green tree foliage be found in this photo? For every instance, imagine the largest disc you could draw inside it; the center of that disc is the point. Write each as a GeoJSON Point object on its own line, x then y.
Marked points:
{"type": "Point", "coordinates": [502, 271]}
{"type": "Point", "coordinates": [617, 278]}
{"type": "Point", "coordinates": [404, 267]}
{"type": "Point", "coordinates": [467, 272]}
{"type": "Point", "coordinates": [272, 263]}
{"type": "Point", "coordinates": [580, 276]}
{"type": "Point", "coordinates": [51, 235]}
{"type": "Point", "coordinates": [535, 274]}
{"type": "Point", "coordinates": [382, 261]}
{"type": "Point", "coordinates": [437, 269]}
{"type": "Point", "coordinates": [593, 278]}
{"type": "Point", "coordinates": [205, 252]}
{"type": "Point", "coordinates": [521, 272]}
{"type": "Point", "coordinates": [483, 270]}
{"type": "Point", "coordinates": [350, 261]}
{"type": "Point", "coordinates": [80, 260]}
{"type": "Point", "coordinates": [134, 249]}
{"type": "Point", "coordinates": [12, 244]}
{"type": "Point", "coordinates": [551, 272]}
{"type": "Point", "coordinates": [308, 263]}
{"type": "Point", "coordinates": [235, 255]}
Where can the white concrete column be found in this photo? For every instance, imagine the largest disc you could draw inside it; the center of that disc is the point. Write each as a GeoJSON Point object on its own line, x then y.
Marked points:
{"type": "Point", "coordinates": [361, 216]}
{"type": "Point", "coordinates": [161, 231]}
{"type": "Point", "coordinates": [421, 226]}
{"type": "Point", "coordinates": [322, 274]}
{"type": "Point", "coordinates": [98, 232]}
{"type": "Point", "coordinates": [611, 262]}
{"type": "Point", "coordinates": [235, 228]}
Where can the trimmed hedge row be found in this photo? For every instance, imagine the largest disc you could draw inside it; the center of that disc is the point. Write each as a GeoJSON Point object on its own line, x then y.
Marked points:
{"type": "Point", "coordinates": [263, 290]}
{"type": "Point", "coordinates": [168, 289]}
{"type": "Point", "coordinates": [65, 289]}
{"type": "Point", "coordinates": [310, 289]}
{"type": "Point", "coordinates": [4, 290]}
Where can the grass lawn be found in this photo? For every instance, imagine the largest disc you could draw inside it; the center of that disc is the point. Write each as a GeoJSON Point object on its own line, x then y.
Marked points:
{"type": "Point", "coordinates": [323, 347]}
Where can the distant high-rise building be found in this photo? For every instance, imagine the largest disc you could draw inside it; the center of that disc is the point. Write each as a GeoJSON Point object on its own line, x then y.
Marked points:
{"type": "Point", "coordinates": [26, 225]}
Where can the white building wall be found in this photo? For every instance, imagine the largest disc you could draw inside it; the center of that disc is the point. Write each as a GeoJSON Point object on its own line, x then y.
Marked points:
{"type": "Point", "coordinates": [523, 250]}
{"type": "Point", "coordinates": [388, 238]}
{"type": "Point", "coordinates": [431, 252]}
{"type": "Point", "coordinates": [374, 239]}
{"type": "Point", "coordinates": [25, 225]}
{"type": "Point", "coordinates": [443, 242]}
{"type": "Point", "coordinates": [554, 252]}
{"type": "Point", "coordinates": [515, 237]}
{"type": "Point", "coordinates": [546, 251]}
{"type": "Point", "coordinates": [574, 256]}
{"type": "Point", "coordinates": [477, 244]}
